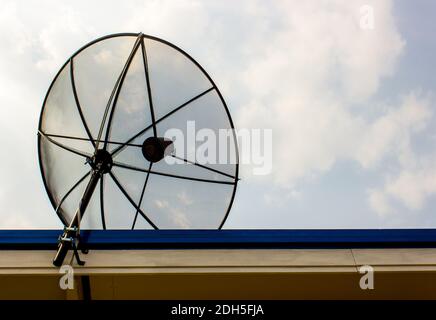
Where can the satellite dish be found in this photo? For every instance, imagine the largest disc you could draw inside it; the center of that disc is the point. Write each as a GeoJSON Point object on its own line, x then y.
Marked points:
{"type": "Point", "coordinates": [102, 150]}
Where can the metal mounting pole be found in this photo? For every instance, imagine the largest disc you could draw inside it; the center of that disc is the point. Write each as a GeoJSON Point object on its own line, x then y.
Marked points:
{"type": "Point", "coordinates": [70, 233]}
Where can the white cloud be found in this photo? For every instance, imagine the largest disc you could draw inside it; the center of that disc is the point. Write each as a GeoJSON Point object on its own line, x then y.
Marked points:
{"type": "Point", "coordinates": [379, 202]}
{"type": "Point", "coordinates": [392, 132]}
{"type": "Point", "coordinates": [179, 219]}
{"type": "Point", "coordinates": [175, 216]}
{"type": "Point", "coordinates": [161, 204]}
{"type": "Point", "coordinates": [54, 37]}
{"type": "Point", "coordinates": [413, 187]}
{"type": "Point", "coordinates": [279, 198]}
{"type": "Point", "coordinates": [185, 199]}
{"type": "Point", "coordinates": [306, 77]}
{"type": "Point", "coordinates": [410, 187]}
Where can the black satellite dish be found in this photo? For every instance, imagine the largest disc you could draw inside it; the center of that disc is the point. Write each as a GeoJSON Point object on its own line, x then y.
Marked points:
{"type": "Point", "coordinates": [102, 147]}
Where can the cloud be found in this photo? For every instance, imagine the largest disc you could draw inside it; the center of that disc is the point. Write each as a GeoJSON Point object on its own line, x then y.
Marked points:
{"type": "Point", "coordinates": [184, 198]}
{"type": "Point", "coordinates": [392, 132]}
{"type": "Point", "coordinates": [314, 82]}
{"type": "Point", "coordinates": [378, 202]}
{"type": "Point", "coordinates": [306, 78]}
{"type": "Point", "coordinates": [412, 180]}
{"type": "Point", "coordinates": [174, 216]}
{"type": "Point", "coordinates": [410, 187]}
{"type": "Point", "coordinates": [179, 219]}
{"type": "Point", "coordinates": [161, 204]}
{"type": "Point", "coordinates": [52, 39]}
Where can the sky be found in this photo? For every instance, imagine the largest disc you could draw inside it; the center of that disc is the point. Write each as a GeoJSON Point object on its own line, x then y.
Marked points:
{"type": "Point", "coordinates": [351, 108]}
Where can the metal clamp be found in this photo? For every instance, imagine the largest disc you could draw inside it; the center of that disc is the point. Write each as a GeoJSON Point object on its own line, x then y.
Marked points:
{"type": "Point", "coordinates": [73, 241]}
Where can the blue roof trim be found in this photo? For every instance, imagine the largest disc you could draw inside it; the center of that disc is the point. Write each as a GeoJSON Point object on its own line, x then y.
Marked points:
{"type": "Point", "coordinates": [166, 239]}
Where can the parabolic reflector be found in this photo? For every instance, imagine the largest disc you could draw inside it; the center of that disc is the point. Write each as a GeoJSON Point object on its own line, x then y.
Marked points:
{"type": "Point", "coordinates": [108, 99]}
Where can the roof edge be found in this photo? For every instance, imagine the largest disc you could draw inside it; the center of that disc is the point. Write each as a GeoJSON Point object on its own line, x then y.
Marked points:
{"type": "Point", "coordinates": [219, 239]}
